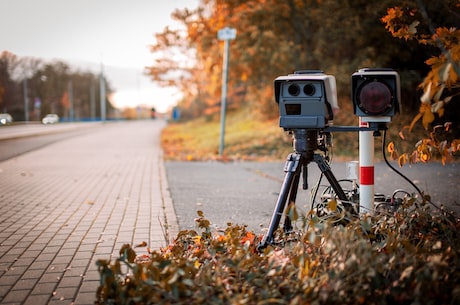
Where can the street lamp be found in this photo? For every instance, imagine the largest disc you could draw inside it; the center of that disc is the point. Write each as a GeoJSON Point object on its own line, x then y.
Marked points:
{"type": "Point", "coordinates": [26, 101]}
{"type": "Point", "coordinates": [102, 93]}
{"type": "Point", "coordinates": [226, 34]}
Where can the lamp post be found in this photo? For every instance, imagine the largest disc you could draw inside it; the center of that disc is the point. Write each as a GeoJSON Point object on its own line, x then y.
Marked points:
{"type": "Point", "coordinates": [226, 34]}
{"type": "Point", "coordinates": [102, 94]}
{"type": "Point", "coordinates": [26, 101]}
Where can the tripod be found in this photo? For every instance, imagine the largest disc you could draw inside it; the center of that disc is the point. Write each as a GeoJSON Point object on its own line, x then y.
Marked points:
{"type": "Point", "coordinates": [305, 144]}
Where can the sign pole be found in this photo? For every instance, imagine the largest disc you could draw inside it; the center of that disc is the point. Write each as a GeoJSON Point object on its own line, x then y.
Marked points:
{"type": "Point", "coordinates": [226, 34]}
{"type": "Point", "coordinates": [223, 98]}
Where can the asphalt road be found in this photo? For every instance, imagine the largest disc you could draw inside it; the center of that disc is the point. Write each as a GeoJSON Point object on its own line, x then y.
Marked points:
{"type": "Point", "coordinates": [19, 139]}
{"type": "Point", "coordinates": [245, 193]}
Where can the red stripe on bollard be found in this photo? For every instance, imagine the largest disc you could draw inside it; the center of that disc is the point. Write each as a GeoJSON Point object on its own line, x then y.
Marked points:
{"type": "Point", "coordinates": [366, 175]}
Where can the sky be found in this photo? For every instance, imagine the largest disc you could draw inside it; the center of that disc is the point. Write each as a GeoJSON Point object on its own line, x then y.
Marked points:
{"type": "Point", "coordinates": [88, 34]}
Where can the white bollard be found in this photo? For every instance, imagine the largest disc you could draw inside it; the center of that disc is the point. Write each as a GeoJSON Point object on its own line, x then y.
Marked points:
{"type": "Point", "coordinates": [366, 170]}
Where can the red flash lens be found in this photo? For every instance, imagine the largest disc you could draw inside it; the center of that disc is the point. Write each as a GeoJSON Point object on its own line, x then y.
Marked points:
{"type": "Point", "coordinates": [374, 98]}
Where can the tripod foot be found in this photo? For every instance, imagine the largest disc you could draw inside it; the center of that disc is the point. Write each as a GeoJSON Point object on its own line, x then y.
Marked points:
{"type": "Point", "coordinates": [263, 244]}
{"type": "Point", "coordinates": [261, 247]}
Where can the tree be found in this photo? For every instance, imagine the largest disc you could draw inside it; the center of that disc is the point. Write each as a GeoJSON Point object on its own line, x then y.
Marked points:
{"type": "Point", "coordinates": [275, 38]}
{"type": "Point", "coordinates": [49, 87]}
{"type": "Point", "coordinates": [8, 61]}
{"type": "Point", "coordinates": [15, 75]}
{"type": "Point", "coordinates": [439, 104]}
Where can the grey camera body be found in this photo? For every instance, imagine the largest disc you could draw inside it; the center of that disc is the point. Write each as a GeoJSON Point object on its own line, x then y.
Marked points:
{"type": "Point", "coordinates": [306, 99]}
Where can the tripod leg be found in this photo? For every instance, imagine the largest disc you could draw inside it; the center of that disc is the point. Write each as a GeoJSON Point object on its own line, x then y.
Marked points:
{"type": "Point", "coordinates": [326, 170]}
{"type": "Point", "coordinates": [287, 227]}
{"type": "Point", "coordinates": [291, 169]}
{"type": "Point", "coordinates": [305, 176]}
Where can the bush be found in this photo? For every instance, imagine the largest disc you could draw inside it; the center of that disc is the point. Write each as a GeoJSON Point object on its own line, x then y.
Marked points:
{"type": "Point", "coordinates": [408, 257]}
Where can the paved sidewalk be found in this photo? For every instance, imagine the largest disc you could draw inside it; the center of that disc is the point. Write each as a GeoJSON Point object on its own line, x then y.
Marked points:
{"type": "Point", "coordinates": [67, 205]}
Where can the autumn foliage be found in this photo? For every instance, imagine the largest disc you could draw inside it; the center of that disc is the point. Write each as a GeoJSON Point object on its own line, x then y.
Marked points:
{"type": "Point", "coordinates": [274, 38]}
{"type": "Point", "coordinates": [440, 87]}
{"type": "Point", "coordinates": [409, 257]}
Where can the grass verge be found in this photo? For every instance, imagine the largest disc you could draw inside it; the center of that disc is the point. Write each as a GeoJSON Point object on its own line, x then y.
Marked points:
{"type": "Point", "coordinates": [250, 138]}
{"type": "Point", "coordinates": [246, 138]}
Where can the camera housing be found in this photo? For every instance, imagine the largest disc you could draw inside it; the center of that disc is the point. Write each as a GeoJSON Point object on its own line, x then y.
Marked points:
{"type": "Point", "coordinates": [306, 99]}
{"type": "Point", "coordinates": [376, 94]}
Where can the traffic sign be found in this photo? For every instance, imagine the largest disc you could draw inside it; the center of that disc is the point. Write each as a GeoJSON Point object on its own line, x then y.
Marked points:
{"type": "Point", "coordinates": [226, 34]}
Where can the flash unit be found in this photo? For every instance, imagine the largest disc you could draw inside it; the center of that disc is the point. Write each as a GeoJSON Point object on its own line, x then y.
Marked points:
{"type": "Point", "coordinates": [376, 94]}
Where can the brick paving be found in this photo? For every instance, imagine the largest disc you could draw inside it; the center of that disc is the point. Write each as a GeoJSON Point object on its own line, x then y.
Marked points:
{"type": "Point", "coordinates": [66, 205]}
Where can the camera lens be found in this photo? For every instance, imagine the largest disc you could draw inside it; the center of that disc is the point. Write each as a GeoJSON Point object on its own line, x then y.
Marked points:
{"type": "Point", "coordinates": [309, 89]}
{"type": "Point", "coordinates": [374, 98]}
{"type": "Point", "coordinates": [294, 89]}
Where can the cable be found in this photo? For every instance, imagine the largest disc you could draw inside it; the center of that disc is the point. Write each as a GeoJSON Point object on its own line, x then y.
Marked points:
{"type": "Point", "coordinates": [393, 196]}
{"type": "Point", "coordinates": [401, 174]}
{"type": "Point", "coordinates": [327, 138]}
{"type": "Point", "coordinates": [315, 193]}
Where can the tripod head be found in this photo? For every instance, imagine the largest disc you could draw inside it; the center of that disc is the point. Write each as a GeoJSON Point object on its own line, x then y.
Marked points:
{"type": "Point", "coordinates": [307, 141]}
